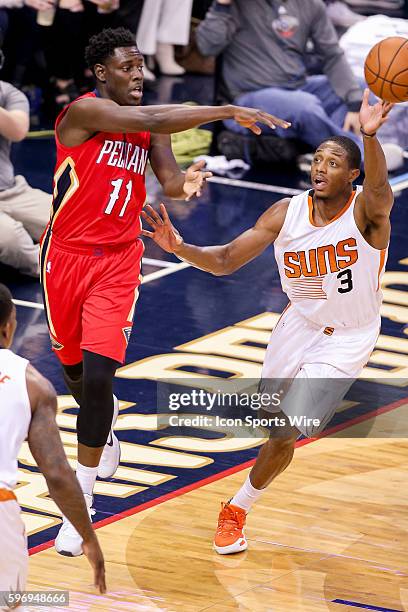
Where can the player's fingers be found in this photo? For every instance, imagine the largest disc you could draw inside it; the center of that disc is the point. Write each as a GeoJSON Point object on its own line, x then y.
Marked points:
{"type": "Point", "coordinates": [276, 120]}
{"type": "Point", "coordinates": [387, 106]}
{"type": "Point", "coordinates": [198, 165]}
{"type": "Point", "coordinates": [100, 581]}
{"type": "Point", "coordinates": [147, 233]}
{"type": "Point", "coordinates": [366, 95]}
{"type": "Point", "coordinates": [267, 122]}
{"type": "Point", "coordinates": [164, 213]}
{"type": "Point", "coordinates": [255, 129]}
{"type": "Point", "coordinates": [149, 220]}
{"type": "Point", "coordinates": [207, 175]}
{"type": "Point", "coordinates": [155, 215]}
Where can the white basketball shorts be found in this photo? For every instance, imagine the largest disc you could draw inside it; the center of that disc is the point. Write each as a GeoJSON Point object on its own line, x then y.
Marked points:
{"type": "Point", "coordinates": [14, 554]}
{"type": "Point", "coordinates": [322, 362]}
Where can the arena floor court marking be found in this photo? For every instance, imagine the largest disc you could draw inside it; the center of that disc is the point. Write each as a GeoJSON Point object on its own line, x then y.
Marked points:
{"type": "Point", "coordinates": [356, 604]}
{"type": "Point", "coordinates": [252, 185]}
{"type": "Point", "coordinates": [233, 470]}
{"type": "Point", "coordinates": [329, 535]}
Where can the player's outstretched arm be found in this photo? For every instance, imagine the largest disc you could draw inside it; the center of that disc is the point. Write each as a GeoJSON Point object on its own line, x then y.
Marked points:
{"type": "Point", "coordinates": [46, 447]}
{"type": "Point", "coordinates": [221, 259]}
{"type": "Point", "coordinates": [103, 115]}
{"type": "Point", "coordinates": [375, 203]}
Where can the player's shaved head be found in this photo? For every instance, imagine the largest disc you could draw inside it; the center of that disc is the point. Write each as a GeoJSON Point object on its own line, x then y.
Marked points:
{"type": "Point", "coordinates": [103, 45]}
{"type": "Point", "coordinates": [6, 305]}
{"type": "Point", "coordinates": [8, 322]}
{"type": "Point", "coordinates": [351, 149]}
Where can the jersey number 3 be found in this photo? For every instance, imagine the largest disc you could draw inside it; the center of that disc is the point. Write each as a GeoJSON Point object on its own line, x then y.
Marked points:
{"type": "Point", "coordinates": [115, 194]}
{"type": "Point", "coordinates": [346, 281]}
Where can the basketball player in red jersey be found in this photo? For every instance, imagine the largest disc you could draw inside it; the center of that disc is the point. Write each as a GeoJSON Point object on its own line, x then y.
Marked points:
{"type": "Point", "coordinates": [90, 252]}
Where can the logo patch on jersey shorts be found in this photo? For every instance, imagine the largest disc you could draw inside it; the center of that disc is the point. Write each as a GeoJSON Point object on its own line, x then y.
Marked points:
{"type": "Point", "coordinates": [126, 332]}
{"type": "Point", "coordinates": [57, 346]}
{"type": "Point", "coordinates": [328, 331]}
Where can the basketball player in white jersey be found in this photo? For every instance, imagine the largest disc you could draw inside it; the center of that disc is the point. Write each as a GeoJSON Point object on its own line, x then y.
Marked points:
{"type": "Point", "coordinates": [331, 247]}
{"type": "Point", "coordinates": [27, 411]}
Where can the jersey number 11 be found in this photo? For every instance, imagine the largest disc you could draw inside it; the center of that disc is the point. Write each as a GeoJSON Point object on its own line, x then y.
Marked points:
{"type": "Point", "coordinates": [115, 194]}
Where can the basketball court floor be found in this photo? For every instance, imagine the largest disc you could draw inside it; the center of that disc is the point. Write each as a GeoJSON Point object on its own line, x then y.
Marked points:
{"type": "Point", "coordinates": [330, 534]}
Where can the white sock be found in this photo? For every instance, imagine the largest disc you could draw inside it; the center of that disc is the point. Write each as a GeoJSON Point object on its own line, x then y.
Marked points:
{"type": "Point", "coordinates": [246, 496]}
{"type": "Point", "coordinates": [86, 477]}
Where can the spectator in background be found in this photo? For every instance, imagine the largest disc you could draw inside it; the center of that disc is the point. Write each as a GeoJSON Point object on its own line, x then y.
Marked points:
{"type": "Point", "coordinates": [341, 15]}
{"type": "Point", "coordinates": [24, 211]}
{"type": "Point", "coordinates": [392, 8]}
{"type": "Point", "coordinates": [128, 15]}
{"type": "Point", "coordinates": [4, 5]}
{"type": "Point", "coordinates": [65, 27]}
{"type": "Point", "coordinates": [163, 24]}
{"type": "Point", "coordinates": [263, 44]}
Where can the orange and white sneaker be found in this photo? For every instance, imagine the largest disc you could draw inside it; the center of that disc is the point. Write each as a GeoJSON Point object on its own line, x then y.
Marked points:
{"type": "Point", "coordinates": [229, 537]}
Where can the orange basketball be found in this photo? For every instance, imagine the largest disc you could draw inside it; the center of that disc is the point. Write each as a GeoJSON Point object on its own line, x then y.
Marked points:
{"type": "Point", "coordinates": [386, 69]}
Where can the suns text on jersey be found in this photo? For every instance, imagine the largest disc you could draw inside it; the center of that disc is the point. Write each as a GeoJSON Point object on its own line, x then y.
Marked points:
{"type": "Point", "coordinates": [322, 260]}
{"type": "Point", "coordinates": [121, 154]}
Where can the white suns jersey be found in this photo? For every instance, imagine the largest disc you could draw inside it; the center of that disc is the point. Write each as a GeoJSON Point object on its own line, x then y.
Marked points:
{"type": "Point", "coordinates": [15, 414]}
{"type": "Point", "coordinates": [331, 274]}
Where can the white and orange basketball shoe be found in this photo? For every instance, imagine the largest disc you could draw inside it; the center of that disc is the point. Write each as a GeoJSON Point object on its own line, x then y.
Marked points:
{"type": "Point", "coordinates": [229, 537]}
{"type": "Point", "coordinates": [110, 458]}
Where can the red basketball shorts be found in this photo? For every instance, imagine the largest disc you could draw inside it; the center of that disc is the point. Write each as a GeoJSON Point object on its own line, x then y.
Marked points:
{"type": "Point", "coordinates": [90, 295]}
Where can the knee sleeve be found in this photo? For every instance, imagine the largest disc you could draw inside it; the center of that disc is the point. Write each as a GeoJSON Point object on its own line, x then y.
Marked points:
{"type": "Point", "coordinates": [73, 379]}
{"type": "Point", "coordinates": [95, 415]}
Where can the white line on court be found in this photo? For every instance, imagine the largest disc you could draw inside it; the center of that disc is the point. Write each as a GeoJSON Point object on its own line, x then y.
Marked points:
{"type": "Point", "coordinates": [161, 263]}
{"type": "Point", "coordinates": [29, 304]}
{"type": "Point", "coordinates": [175, 267]}
{"type": "Point", "coordinates": [399, 186]}
{"type": "Point", "coordinates": [222, 180]}
{"type": "Point", "coordinates": [398, 183]}
{"type": "Point", "coordinates": [155, 275]}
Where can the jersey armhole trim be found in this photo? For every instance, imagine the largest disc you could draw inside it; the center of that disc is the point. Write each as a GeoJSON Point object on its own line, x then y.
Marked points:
{"type": "Point", "coordinates": [60, 118]}
{"type": "Point", "coordinates": [364, 239]}
{"type": "Point", "coordinates": [286, 221]}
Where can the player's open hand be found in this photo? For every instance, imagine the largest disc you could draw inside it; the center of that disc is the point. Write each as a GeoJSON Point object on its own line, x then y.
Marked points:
{"type": "Point", "coordinates": [94, 554]}
{"type": "Point", "coordinates": [249, 117]}
{"type": "Point", "coordinates": [164, 233]}
{"type": "Point", "coordinates": [195, 180]}
{"type": "Point", "coordinates": [372, 116]}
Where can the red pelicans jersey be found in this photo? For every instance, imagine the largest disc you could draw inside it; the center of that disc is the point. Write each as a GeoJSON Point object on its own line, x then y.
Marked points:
{"type": "Point", "coordinates": [331, 274]}
{"type": "Point", "coordinates": [99, 187]}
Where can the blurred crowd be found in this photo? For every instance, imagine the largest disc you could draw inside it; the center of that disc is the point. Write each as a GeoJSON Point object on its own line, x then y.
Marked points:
{"type": "Point", "coordinates": [44, 41]}
{"type": "Point", "coordinates": [301, 60]}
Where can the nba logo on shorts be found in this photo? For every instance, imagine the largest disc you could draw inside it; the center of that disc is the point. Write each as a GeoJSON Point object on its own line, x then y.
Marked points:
{"type": "Point", "coordinates": [127, 331]}
{"type": "Point", "coordinates": [48, 267]}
